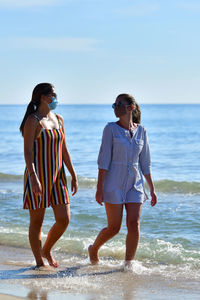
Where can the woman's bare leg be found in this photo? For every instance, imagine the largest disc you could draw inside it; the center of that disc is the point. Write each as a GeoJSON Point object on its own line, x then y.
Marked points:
{"type": "Point", "coordinates": [35, 229]}
{"type": "Point", "coordinates": [62, 217]}
{"type": "Point", "coordinates": [133, 225]}
{"type": "Point", "coordinates": [114, 219]}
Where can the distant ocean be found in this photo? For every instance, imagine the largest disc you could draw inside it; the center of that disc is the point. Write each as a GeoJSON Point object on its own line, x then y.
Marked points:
{"type": "Point", "coordinates": [170, 232]}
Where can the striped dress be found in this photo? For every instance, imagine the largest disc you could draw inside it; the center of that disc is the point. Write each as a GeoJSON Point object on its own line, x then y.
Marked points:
{"type": "Point", "coordinates": [47, 157]}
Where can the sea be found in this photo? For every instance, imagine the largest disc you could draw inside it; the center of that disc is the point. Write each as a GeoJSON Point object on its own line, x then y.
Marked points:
{"type": "Point", "coordinates": [169, 248]}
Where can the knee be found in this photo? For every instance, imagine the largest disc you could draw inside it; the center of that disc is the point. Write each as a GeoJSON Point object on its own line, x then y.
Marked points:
{"type": "Point", "coordinates": [35, 228]}
{"type": "Point", "coordinates": [114, 229]}
{"type": "Point", "coordinates": [35, 225]}
{"type": "Point", "coordinates": [133, 226]}
{"type": "Point", "coordinates": [63, 222]}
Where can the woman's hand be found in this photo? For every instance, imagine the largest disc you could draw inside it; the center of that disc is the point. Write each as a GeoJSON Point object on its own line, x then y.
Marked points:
{"type": "Point", "coordinates": [153, 199]}
{"type": "Point", "coordinates": [74, 186]}
{"type": "Point", "coordinates": [99, 196]}
{"type": "Point", "coordinates": [36, 185]}
{"type": "Point", "coordinates": [100, 183]}
{"type": "Point", "coordinates": [151, 188]}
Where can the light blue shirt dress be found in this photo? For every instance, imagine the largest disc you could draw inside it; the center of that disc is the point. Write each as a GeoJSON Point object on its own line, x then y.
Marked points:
{"type": "Point", "coordinates": [126, 160]}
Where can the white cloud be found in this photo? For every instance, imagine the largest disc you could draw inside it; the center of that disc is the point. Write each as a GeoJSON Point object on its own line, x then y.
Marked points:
{"type": "Point", "coordinates": [139, 8]}
{"type": "Point", "coordinates": [50, 44]}
{"type": "Point", "coordinates": [26, 3]}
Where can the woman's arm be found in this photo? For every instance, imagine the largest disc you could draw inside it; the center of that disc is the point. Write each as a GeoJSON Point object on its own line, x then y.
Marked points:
{"type": "Point", "coordinates": [68, 162]}
{"type": "Point", "coordinates": [145, 164]}
{"type": "Point", "coordinates": [29, 136]}
{"type": "Point", "coordinates": [151, 188]}
{"type": "Point", "coordinates": [100, 182]}
{"type": "Point", "coordinates": [104, 160]}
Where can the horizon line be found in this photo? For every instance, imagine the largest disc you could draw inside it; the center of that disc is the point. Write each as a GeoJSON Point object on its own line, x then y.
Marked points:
{"type": "Point", "coordinates": [141, 103]}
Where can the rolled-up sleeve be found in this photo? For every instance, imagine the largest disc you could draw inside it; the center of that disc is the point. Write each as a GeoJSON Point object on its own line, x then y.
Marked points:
{"type": "Point", "coordinates": [145, 159]}
{"type": "Point", "coordinates": [105, 152]}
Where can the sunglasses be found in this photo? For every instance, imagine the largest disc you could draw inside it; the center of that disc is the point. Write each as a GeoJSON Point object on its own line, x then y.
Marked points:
{"type": "Point", "coordinates": [52, 95]}
{"type": "Point", "coordinates": [114, 105]}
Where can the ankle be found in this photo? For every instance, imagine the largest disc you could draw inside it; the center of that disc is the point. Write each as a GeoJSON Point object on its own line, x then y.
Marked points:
{"type": "Point", "coordinates": [40, 263]}
{"type": "Point", "coordinates": [45, 250]}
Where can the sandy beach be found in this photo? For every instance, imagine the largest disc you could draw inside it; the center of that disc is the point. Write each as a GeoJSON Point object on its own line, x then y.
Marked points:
{"type": "Point", "coordinates": [9, 297]}
{"type": "Point", "coordinates": [76, 279]}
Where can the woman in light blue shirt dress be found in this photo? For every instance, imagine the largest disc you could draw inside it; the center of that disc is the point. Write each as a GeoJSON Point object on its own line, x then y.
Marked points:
{"type": "Point", "coordinates": [124, 159]}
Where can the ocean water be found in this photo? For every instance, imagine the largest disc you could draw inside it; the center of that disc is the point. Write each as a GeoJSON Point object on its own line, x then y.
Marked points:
{"type": "Point", "coordinates": [170, 232]}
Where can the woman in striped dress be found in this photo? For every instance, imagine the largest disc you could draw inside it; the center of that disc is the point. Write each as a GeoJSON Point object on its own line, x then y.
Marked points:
{"type": "Point", "coordinates": [45, 184]}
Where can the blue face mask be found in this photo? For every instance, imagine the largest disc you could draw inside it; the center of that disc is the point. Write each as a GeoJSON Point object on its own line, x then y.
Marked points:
{"type": "Point", "coordinates": [53, 104]}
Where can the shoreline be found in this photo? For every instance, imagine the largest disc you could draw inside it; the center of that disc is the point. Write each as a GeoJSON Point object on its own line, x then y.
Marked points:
{"type": "Point", "coordinates": [10, 297]}
{"type": "Point", "coordinates": [77, 279]}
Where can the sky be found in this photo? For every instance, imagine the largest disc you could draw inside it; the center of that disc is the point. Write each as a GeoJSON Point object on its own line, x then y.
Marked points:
{"type": "Point", "coordinates": [93, 50]}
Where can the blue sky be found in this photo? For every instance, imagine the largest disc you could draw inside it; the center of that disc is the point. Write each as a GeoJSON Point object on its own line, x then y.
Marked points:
{"type": "Point", "coordinates": [92, 50]}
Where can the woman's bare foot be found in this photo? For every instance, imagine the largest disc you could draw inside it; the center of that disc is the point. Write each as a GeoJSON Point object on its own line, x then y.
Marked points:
{"type": "Point", "coordinates": [40, 263]}
{"type": "Point", "coordinates": [128, 266]}
{"type": "Point", "coordinates": [128, 263]}
{"type": "Point", "coordinates": [42, 268]}
{"type": "Point", "coordinates": [52, 262]}
{"type": "Point", "coordinates": [93, 255]}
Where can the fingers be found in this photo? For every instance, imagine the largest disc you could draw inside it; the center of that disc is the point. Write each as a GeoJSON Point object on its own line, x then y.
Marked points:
{"type": "Point", "coordinates": [74, 187]}
{"type": "Point", "coordinates": [36, 185]}
{"type": "Point", "coordinates": [37, 191]}
{"type": "Point", "coordinates": [75, 191]}
{"type": "Point", "coordinates": [153, 200]}
{"type": "Point", "coordinates": [99, 199]}
{"type": "Point", "coordinates": [100, 202]}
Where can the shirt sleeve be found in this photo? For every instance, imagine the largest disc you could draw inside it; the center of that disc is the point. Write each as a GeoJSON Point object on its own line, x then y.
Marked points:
{"type": "Point", "coordinates": [145, 159]}
{"type": "Point", "coordinates": [105, 152]}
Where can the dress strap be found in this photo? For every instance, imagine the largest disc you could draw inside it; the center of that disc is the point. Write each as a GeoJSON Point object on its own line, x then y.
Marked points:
{"type": "Point", "coordinates": [59, 121]}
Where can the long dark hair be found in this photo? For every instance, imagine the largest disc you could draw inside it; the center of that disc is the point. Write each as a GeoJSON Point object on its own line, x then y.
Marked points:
{"type": "Point", "coordinates": [136, 113]}
{"type": "Point", "coordinates": [39, 90]}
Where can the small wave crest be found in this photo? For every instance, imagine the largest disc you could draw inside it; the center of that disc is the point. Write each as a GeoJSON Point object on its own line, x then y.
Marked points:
{"type": "Point", "coordinates": [156, 257]}
{"type": "Point", "coordinates": [163, 186]}
{"type": "Point", "coordinates": [183, 187]}
{"type": "Point", "coordinates": [10, 177]}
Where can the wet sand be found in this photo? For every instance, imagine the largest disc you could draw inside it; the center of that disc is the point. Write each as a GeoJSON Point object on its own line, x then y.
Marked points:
{"type": "Point", "coordinates": [9, 297]}
{"type": "Point", "coordinates": [77, 279]}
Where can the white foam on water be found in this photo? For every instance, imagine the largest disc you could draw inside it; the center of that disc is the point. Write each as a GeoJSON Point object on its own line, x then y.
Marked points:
{"type": "Point", "coordinates": [76, 274]}
{"type": "Point", "coordinates": [20, 263]}
{"type": "Point", "coordinates": [15, 230]}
